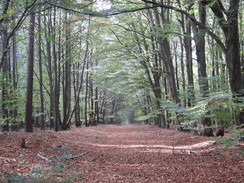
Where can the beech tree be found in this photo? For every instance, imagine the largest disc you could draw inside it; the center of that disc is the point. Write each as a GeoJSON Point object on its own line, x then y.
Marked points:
{"type": "Point", "coordinates": [29, 88]}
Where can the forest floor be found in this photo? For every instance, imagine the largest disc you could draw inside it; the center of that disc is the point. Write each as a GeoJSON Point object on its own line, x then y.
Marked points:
{"type": "Point", "coordinates": [110, 153]}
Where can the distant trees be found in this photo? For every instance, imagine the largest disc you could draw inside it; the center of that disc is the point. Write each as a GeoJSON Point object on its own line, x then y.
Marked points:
{"type": "Point", "coordinates": [10, 20]}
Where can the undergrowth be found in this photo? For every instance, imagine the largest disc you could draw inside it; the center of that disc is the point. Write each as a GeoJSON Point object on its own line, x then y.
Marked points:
{"type": "Point", "coordinates": [60, 161]}
{"type": "Point", "coordinates": [16, 178]}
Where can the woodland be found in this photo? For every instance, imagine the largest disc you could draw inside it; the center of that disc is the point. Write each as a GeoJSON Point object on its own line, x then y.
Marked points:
{"type": "Point", "coordinates": [147, 81]}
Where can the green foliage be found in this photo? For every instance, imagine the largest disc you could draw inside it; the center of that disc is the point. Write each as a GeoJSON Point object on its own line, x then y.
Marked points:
{"type": "Point", "coordinates": [193, 9]}
{"type": "Point", "coordinates": [13, 101]}
{"type": "Point", "coordinates": [218, 106]}
{"type": "Point", "coordinates": [118, 74]}
{"type": "Point", "coordinates": [146, 117]}
{"type": "Point", "coordinates": [15, 178]}
{"type": "Point", "coordinates": [69, 179]}
{"type": "Point", "coordinates": [39, 175]}
{"type": "Point", "coordinates": [237, 136]}
{"type": "Point", "coordinates": [212, 3]}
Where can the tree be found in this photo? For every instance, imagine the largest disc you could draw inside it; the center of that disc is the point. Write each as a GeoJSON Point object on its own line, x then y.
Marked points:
{"type": "Point", "coordinates": [187, 40]}
{"type": "Point", "coordinates": [40, 73]}
{"type": "Point", "coordinates": [5, 78]}
{"type": "Point", "coordinates": [231, 47]}
{"type": "Point", "coordinates": [9, 10]}
{"type": "Point", "coordinates": [199, 38]}
{"type": "Point", "coordinates": [230, 28]}
{"type": "Point", "coordinates": [29, 88]}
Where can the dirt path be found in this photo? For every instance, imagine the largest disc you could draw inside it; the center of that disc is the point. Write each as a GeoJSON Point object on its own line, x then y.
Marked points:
{"type": "Point", "coordinates": [114, 154]}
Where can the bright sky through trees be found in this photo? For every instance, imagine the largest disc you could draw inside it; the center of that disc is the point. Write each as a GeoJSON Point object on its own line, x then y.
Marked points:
{"type": "Point", "coordinates": [103, 5]}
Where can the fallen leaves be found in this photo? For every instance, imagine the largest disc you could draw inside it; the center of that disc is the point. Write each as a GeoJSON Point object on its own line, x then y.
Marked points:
{"type": "Point", "coordinates": [110, 153]}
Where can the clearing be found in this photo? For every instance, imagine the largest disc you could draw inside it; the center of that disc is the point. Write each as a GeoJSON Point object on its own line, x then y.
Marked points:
{"type": "Point", "coordinates": [110, 153]}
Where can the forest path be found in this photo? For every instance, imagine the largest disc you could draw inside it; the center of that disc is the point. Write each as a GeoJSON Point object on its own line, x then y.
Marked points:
{"type": "Point", "coordinates": [110, 153]}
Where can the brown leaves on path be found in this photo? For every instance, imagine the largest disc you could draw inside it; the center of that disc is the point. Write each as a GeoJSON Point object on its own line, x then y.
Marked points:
{"type": "Point", "coordinates": [110, 153]}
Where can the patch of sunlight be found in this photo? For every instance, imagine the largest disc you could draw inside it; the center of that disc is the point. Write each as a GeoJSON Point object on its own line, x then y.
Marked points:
{"type": "Point", "coordinates": [194, 146]}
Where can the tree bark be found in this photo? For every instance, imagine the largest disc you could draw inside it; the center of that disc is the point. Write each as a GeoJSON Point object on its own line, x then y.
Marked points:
{"type": "Point", "coordinates": [86, 95]}
{"type": "Point", "coordinates": [40, 75]}
{"type": "Point", "coordinates": [182, 67]}
{"type": "Point", "coordinates": [49, 67]}
{"type": "Point", "coordinates": [187, 40]}
{"type": "Point", "coordinates": [56, 92]}
{"type": "Point", "coordinates": [96, 107]}
{"type": "Point", "coordinates": [5, 78]}
{"type": "Point", "coordinates": [67, 77]}
{"type": "Point", "coordinates": [230, 28]}
{"type": "Point", "coordinates": [199, 37]}
{"type": "Point", "coordinates": [233, 58]}
{"type": "Point", "coordinates": [14, 80]}
{"type": "Point", "coordinates": [29, 87]}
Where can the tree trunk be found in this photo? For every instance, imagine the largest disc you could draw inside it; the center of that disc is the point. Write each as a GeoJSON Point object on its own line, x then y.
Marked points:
{"type": "Point", "coordinates": [233, 58]}
{"type": "Point", "coordinates": [182, 67]}
{"type": "Point", "coordinates": [5, 79]}
{"type": "Point", "coordinates": [76, 84]}
{"type": "Point", "coordinates": [187, 40]}
{"type": "Point", "coordinates": [14, 111]}
{"type": "Point", "coordinates": [91, 109]}
{"type": "Point", "coordinates": [199, 38]}
{"type": "Point", "coordinates": [189, 68]}
{"type": "Point", "coordinates": [67, 78]}
{"type": "Point", "coordinates": [86, 95]}
{"type": "Point", "coordinates": [96, 107]}
{"type": "Point", "coordinates": [56, 93]}
{"type": "Point", "coordinates": [156, 71]}
{"type": "Point", "coordinates": [29, 87]}
{"type": "Point", "coordinates": [40, 75]}
{"type": "Point", "coordinates": [176, 67]}
{"type": "Point", "coordinates": [165, 56]}
{"type": "Point", "coordinates": [230, 29]}
{"type": "Point", "coordinates": [49, 68]}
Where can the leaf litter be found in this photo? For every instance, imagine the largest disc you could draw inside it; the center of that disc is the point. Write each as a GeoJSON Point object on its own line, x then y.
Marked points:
{"type": "Point", "coordinates": [112, 153]}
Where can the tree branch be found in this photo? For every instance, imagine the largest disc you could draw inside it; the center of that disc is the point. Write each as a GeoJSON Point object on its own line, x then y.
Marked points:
{"type": "Point", "coordinates": [19, 23]}
{"type": "Point", "coordinates": [101, 14]}
{"type": "Point", "coordinates": [218, 10]}
{"type": "Point", "coordinates": [4, 11]}
{"type": "Point", "coordinates": [222, 6]}
{"type": "Point", "coordinates": [194, 20]}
